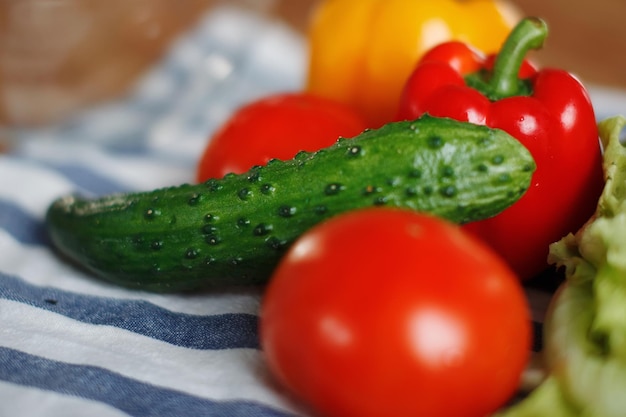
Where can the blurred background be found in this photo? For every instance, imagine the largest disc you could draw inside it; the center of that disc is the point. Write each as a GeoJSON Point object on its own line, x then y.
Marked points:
{"type": "Point", "coordinates": [57, 56]}
{"type": "Point", "coordinates": [587, 37]}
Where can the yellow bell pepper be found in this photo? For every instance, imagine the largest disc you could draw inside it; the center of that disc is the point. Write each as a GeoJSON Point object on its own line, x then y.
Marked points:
{"type": "Point", "coordinates": [362, 51]}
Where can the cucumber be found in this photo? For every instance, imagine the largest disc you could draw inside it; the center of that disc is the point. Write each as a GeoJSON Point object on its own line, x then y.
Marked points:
{"type": "Point", "coordinates": [233, 230]}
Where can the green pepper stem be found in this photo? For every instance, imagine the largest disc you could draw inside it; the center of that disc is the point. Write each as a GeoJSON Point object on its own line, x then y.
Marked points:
{"type": "Point", "coordinates": [530, 33]}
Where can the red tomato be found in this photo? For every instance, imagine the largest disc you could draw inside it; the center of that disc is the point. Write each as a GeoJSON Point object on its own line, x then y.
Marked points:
{"type": "Point", "coordinates": [277, 126]}
{"type": "Point", "coordinates": [385, 312]}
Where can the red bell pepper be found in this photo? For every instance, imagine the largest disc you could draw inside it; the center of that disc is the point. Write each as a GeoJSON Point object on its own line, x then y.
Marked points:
{"type": "Point", "coordinates": [547, 110]}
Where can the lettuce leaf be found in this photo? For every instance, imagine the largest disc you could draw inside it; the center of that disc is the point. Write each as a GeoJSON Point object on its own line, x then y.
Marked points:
{"type": "Point", "coordinates": [585, 327]}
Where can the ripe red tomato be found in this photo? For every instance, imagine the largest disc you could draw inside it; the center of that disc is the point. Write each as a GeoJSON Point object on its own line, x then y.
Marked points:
{"type": "Point", "coordinates": [277, 126]}
{"type": "Point", "coordinates": [387, 312]}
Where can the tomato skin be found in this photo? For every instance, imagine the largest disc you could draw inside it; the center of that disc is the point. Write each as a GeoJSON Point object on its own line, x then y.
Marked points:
{"type": "Point", "coordinates": [277, 126]}
{"type": "Point", "coordinates": [386, 312]}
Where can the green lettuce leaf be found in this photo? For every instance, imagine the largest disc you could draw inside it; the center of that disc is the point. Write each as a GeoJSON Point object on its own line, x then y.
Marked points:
{"type": "Point", "coordinates": [585, 326]}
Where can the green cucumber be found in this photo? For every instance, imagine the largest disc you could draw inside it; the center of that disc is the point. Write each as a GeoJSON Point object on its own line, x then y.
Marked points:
{"type": "Point", "coordinates": [233, 231]}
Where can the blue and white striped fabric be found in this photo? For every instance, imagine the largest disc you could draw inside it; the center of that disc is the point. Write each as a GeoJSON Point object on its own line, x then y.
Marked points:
{"type": "Point", "coordinates": [71, 345]}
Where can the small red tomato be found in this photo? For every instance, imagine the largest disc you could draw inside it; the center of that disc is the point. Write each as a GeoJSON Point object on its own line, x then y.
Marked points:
{"type": "Point", "coordinates": [278, 126]}
{"type": "Point", "coordinates": [386, 312]}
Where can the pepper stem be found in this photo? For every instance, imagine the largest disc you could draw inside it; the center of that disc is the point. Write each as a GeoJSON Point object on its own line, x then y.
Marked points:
{"type": "Point", "coordinates": [530, 33]}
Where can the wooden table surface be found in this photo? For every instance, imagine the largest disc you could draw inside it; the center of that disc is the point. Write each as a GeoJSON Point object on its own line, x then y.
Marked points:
{"type": "Point", "coordinates": [586, 37]}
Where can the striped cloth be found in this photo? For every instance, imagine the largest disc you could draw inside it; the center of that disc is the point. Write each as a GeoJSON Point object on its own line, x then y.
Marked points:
{"type": "Point", "coordinates": [71, 345]}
